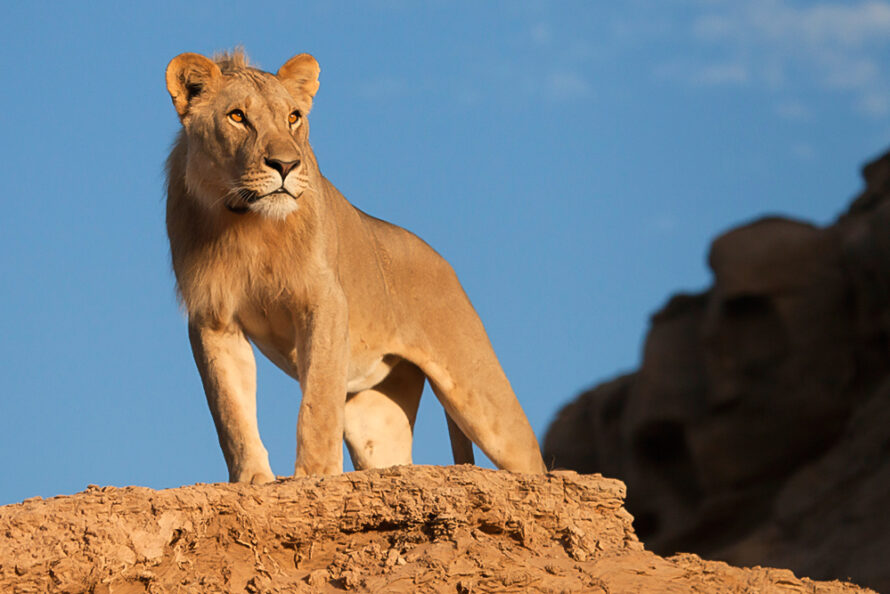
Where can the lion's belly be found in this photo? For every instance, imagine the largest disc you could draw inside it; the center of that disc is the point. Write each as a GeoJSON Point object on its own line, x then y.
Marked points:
{"type": "Point", "coordinates": [367, 372]}
{"type": "Point", "coordinates": [274, 335]}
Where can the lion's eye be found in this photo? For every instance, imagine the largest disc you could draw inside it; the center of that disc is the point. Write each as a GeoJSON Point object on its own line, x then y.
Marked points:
{"type": "Point", "coordinates": [293, 118]}
{"type": "Point", "coordinates": [236, 115]}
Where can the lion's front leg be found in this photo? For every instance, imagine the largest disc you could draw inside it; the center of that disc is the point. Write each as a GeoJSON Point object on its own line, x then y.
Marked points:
{"type": "Point", "coordinates": [323, 360]}
{"type": "Point", "coordinates": [228, 371]}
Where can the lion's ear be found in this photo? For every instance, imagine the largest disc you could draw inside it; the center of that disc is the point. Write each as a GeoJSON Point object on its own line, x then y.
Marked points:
{"type": "Point", "coordinates": [299, 75]}
{"type": "Point", "coordinates": [189, 75]}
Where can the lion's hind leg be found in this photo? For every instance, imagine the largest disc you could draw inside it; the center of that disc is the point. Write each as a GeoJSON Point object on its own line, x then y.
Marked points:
{"type": "Point", "coordinates": [461, 446]}
{"type": "Point", "coordinates": [379, 422]}
{"type": "Point", "coordinates": [492, 419]}
{"type": "Point", "coordinates": [469, 382]}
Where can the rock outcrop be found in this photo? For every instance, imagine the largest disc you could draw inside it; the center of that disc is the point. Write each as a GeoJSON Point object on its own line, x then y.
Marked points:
{"type": "Point", "coordinates": [757, 429]}
{"type": "Point", "coordinates": [405, 529]}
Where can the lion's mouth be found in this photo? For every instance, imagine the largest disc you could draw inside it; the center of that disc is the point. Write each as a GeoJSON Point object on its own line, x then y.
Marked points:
{"type": "Point", "coordinates": [278, 191]}
{"type": "Point", "coordinates": [251, 197]}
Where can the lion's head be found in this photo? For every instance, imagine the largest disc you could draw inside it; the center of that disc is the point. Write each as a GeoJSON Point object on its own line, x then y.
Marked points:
{"type": "Point", "coordinates": [246, 138]}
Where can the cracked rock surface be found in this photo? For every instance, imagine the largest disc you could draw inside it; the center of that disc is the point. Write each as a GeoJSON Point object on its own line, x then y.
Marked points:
{"type": "Point", "coordinates": [404, 529]}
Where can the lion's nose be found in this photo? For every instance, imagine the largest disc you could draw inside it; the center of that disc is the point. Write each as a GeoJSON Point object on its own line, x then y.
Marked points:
{"type": "Point", "coordinates": [282, 167]}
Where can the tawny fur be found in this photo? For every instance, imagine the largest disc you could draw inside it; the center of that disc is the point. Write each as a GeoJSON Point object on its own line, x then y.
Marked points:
{"type": "Point", "coordinates": [359, 311]}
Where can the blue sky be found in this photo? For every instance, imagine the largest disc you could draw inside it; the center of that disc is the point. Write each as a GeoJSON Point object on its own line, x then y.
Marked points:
{"type": "Point", "coordinates": [572, 161]}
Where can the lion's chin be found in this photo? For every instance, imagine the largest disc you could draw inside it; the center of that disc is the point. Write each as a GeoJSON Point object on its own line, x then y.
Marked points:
{"type": "Point", "coordinates": [275, 207]}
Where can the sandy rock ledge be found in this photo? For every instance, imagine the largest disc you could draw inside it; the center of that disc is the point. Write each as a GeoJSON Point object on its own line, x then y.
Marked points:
{"type": "Point", "coordinates": [405, 529]}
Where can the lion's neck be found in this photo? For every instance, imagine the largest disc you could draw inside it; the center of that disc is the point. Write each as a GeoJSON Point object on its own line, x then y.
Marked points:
{"type": "Point", "coordinates": [228, 260]}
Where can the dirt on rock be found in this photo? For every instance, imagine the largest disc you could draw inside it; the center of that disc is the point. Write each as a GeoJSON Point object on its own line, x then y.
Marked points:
{"type": "Point", "coordinates": [405, 529]}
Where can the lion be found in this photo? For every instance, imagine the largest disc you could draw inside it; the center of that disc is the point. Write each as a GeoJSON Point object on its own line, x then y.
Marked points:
{"type": "Point", "coordinates": [359, 311]}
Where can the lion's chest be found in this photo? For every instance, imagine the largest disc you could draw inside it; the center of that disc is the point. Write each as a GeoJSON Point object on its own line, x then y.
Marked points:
{"type": "Point", "coordinates": [273, 331]}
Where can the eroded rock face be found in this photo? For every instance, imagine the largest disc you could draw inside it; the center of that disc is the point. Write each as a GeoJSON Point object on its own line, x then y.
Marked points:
{"type": "Point", "coordinates": [758, 418]}
{"type": "Point", "coordinates": [405, 529]}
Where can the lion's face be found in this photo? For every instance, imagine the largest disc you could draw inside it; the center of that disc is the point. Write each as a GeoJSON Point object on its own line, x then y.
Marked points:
{"type": "Point", "coordinates": [246, 131]}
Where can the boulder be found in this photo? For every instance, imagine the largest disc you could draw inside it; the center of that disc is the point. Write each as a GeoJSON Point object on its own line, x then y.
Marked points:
{"type": "Point", "coordinates": [755, 430]}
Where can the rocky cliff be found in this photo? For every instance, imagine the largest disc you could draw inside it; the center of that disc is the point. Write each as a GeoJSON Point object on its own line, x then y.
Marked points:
{"type": "Point", "coordinates": [757, 429]}
{"type": "Point", "coordinates": [405, 529]}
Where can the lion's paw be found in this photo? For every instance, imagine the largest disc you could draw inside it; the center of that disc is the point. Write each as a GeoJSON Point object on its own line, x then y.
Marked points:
{"type": "Point", "coordinates": [262, 477]}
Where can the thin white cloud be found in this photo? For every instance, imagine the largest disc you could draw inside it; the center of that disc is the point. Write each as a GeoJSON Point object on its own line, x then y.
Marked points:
{"type": "Point", "coordinates": [567, 86]}
{"type": "Point", "coordinates": [722, 74]}
{"type": "Point", "coordinates": [876, 105]}
{"type": "Point", "coordinates": [562, 79]}
{"type": "Point", "coordinates": [664, 223]}
{"type": "Point", "coordinates": [838, 23]}
{"type": "Point", "coordinates": [851, 25]}
{"type": "Point", "coordinates": [803, 151]}
{"type": "Point", "coordinates": [541, 34]}
{"type": "Point", "coordinates": [713, 27]}
{"type": "Point", "coordinates": [706, 75]}
{"type": "Point", "coordinates": [829, 46]}
{"type": "Point", "coordinates": [845, 72]}
{"type": "Point", "coordinates": [793, 109]}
